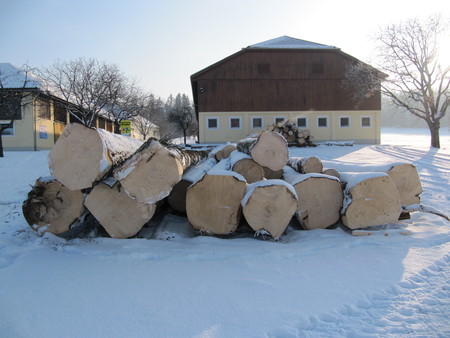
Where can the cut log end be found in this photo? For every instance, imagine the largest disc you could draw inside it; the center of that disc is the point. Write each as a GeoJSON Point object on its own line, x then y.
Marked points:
{"type": "Point", "coordinates": [270, 151]}
{"type": "Point", "coordinates": [248, 168]}
{"type": "Point", "coordinates": [52, 207]}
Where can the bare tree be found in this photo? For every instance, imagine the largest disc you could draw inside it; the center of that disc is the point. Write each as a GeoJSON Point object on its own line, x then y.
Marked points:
{"type": "Point", "coordinates": [417, 81]}
{"type": "Point", "coordinates": [182, 119]}
{"type": "Point", "coordinates": [15, 88]}
{"type": "Point", "coordinates": [87, 85]}
{"type": "Point", "coordinates": [150, 116]}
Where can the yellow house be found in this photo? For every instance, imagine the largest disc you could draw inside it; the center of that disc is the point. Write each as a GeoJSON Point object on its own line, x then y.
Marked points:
{"type": "Point", "coordinates": [283, 79]}
{"type": "Point", "coordinates": [42, 117]}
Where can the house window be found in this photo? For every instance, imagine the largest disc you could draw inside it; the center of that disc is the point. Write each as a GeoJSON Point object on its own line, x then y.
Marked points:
{"type": "Point", "coordinates": [317, 68]}
{"type": "Point", "coordinates": [44, 109]}
{"type": "Point", "coordinates": [344, 122]}
{"type": "Point", "coordinates": [60, 112]}
{"type": "Point", "coordinates": [8, 131]}
{"type": "Point", "coordinates": [302, 122]}
{"type": "Point", "coordinates": [366, 122]}
{"type": "Point", "coordinates": [280, 119]}
{"type": "Point", "coordinates": [257, 122]}
{"type": "Point", "coordinates": [212, 123]}
{"type": "Point", "coordinates": [235, 123]}
{"type": "Point", "coordinates": [322, 122]}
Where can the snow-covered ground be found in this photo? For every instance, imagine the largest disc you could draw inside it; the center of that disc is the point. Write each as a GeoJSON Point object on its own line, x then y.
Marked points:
{"type": "Point", "coordinates": [320, 283]}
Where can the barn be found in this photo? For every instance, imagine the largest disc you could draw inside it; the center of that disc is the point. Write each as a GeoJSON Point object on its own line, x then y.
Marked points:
{"type": "Point", "coordinates": [283, 79]}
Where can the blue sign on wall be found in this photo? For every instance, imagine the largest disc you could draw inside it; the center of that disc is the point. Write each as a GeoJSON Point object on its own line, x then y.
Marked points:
{"type": "Point", "coordinates": [43, 132]}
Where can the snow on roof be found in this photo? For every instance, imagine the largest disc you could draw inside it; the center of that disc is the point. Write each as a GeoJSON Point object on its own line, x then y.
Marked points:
{"type": "Point", "coordinates": [290, 43]}
{"type": "Point", "coordinates": [14, 77]}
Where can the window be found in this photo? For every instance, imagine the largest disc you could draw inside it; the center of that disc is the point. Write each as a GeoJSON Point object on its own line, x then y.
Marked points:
{"type": "Point", "coordinates": [366, 122]}
{"type": "Point", "coordinates": [302, 122]}
{"type": "Point", "coordinates": [60, 112]}
{"type": "Point", "coordinates": [257, 122]}
{"type": "Point", "coordinates": [280, 119]}
{"type": "Point", "coordinates": [44, 109]}
{"type": "Point", "coordinates": [344, 122]}
{"type": "Point", "coordinates": [8, 131]}
{"type": "Point", "coordinates": [235, 122]}
{"type": "Point", "coordinates": [322, 122]}
{"type": "Point", "coordinates": [212, 123]}
{"type": "Point", "coordinates": [317, 68]}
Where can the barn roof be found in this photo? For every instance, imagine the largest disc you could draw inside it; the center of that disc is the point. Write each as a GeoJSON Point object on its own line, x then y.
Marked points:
{"type": "Point", "coordinates": [12, 77]}
{"type": "Point", "coordinates": [286, 42]}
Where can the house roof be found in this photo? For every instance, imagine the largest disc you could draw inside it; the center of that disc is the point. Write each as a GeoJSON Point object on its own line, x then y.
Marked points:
{"type": "Point", "coordinates": [286, 42]}
{"type": "Point", "coordinates": [12, 77]}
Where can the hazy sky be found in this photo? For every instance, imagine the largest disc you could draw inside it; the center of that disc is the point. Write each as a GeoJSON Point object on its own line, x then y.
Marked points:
{"type": "Point", "coordinates": [161, 43]}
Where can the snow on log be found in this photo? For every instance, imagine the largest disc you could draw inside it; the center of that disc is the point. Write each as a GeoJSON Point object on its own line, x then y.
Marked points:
{"type": "Point", "coordinates": [246, 166]}
{"type": "Point", "coordinates": [82, 156]}
{"type": "Point", "coordinates": [177, 197]}
{"type": "Point", "coordinates": [369, 199]}
{"type": "Point", "coordinates": [268, 206]}
{"type": "Point", "coordinates": [151, 172]}
{"type": "Point", "coordinates": [120, 215]}
{"type": "Point", "coordinates": [269, 150]}
{"type": "Point", "coordinates": [306, 165]}
{"type": "Point", "coordinates": [404, 175]}
{"type": "Point", "coordinates": [319, 198]}
{"type": "Point", "coordinates": [213, 203]}
{"type": "Point", "coordinates": [52, 207]}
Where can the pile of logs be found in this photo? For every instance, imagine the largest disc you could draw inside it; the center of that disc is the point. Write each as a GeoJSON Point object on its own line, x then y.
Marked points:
{"type": "Point", "coordinates": [120, 182]}
{"type": "Point", "coordinates": [294, 135]}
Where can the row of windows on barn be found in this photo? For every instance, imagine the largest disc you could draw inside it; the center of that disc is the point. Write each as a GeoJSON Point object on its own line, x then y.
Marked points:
{"type": "Point", "coordinates": [302, 122]}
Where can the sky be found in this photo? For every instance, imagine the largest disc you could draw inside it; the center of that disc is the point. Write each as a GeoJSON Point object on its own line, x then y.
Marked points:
{"type": "Point", "coordinates": [161, 43]}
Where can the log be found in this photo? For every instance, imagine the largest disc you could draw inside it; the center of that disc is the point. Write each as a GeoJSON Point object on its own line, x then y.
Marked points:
{"type": "Point", "coordinates": [269, 150]}
{"type": "Point", "coordinates": [331, 172]}
{"type": "Point", "coordinates": [177, 197]}
{"type": "Point", "coordinates": [270, 174]}
{"type": "Point", "coordinates": [404, 175]}
{"type": "Point", "coordinates": [268, 206]}
{"type": "Point", "coordinates": [243, 164]}
{"type": "Point", "coordinates": [120, 215]}
{"type": "Point", "coordinates": [151, 172]}
{"type": "Point", "coordinates": [52, 207]}
{"type": "Point", "coordinates": [319, 198]}
{"type": "Point", "coordinates": [213, 204]}
{"type": "Point", "coordinates": [226, 152]}
{"type": "Point", "coordinates": [82, 156]}
{"type": "Point", "coordinates": [306, 165]}
{"type": "Point", "coordinates": [369, 199]}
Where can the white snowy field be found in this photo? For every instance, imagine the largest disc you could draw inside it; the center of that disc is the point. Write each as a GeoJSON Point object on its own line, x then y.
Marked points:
{"type": "Point", "coordinates": [320, 283]}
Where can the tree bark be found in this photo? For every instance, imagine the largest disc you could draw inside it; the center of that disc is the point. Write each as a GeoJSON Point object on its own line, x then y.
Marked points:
{"type": "Point", "coordinates": [434, 132]}
{"type": "Point", "coordinates": [51, 207]}
{"type": "Point", "coordinates": [82, 156]}
{"type": "Point", "coordinates": [120, 215]}
{"type": "Point", "coordinates": [319, 198]}
{"type": "Point", "coordinates": [213, 204]}
{"type": "Point", "coordinates": [370, 199]}
{"type": "Point", "coordinates": [268, 206]}
{"type": "Point", "coordinates": [269, 150]}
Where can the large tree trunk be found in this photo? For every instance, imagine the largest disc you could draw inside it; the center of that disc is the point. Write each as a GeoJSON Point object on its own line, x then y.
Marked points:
{"type": "Point", "coordinates": [268, 206]}
{"type": "Point", "coordinates": [269, 150]}
{"type": "Point", "coordinates": [404, 175]}
{"type": "Point", "coordinates": [83, 156]}
{"type": "Point", "coordinates": [319, 198]}
{"type": "Point", "coordinates": [177, 197]}
{"type": "Point", "coordinates": [243, 164]}
{"type": "Point", "coordinates": [150, 174]}
{"type": "Point", "coordinates": [51, 207]}
{"type": "Point", "coordinates": [213, 204]}
{"type": "Point", "coordinates": [306, 165]}
{"type": "Point", "coordinates": [120, 215]}
{"type": "Point", "coordinates": [434, 132]}
{"type": "Point", "coordinates": [370, 199]}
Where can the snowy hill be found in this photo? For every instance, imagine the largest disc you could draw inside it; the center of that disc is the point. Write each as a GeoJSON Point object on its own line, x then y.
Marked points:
{"type": "Point", "coordinates": [320, 283]}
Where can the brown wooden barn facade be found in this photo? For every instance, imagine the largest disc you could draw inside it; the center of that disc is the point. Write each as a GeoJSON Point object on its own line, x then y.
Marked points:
{"type": "Point", "coordinates": [282, 78]}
